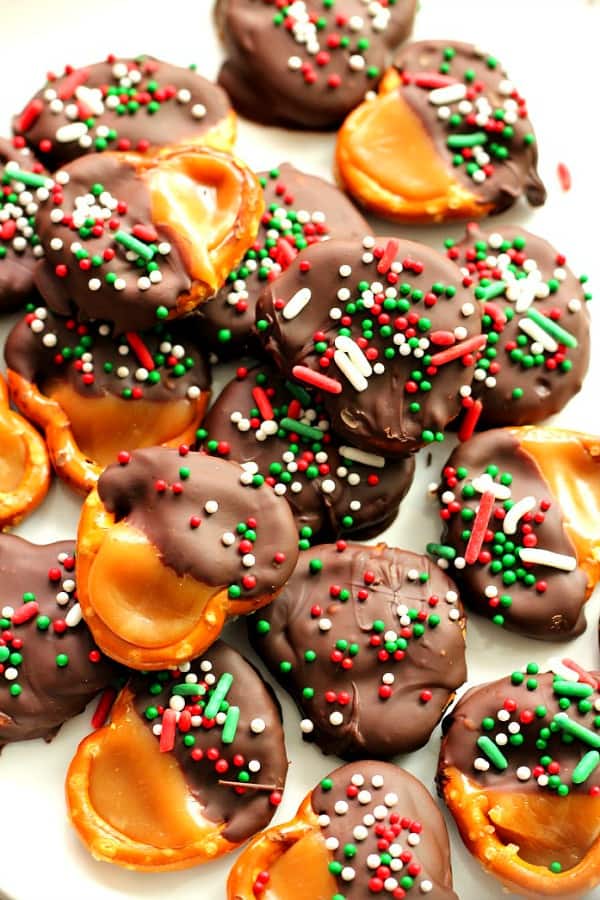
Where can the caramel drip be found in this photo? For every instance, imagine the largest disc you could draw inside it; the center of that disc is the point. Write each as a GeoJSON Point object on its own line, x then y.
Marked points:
{"type": "Point", "coordinates": [142, 792]}
{"type": "Point", "coordinates": [137, 597]}
{"type": "Point", "coordinates": [544, 828]}
{"type": "Point", "coordinates": [302, 872]}
{"type": "Point", "coordinates": [102, 426]}
{"type": "Point", "coordinates": [391, 145]}
{"type": "Point", "coordinates": [198, 198]}
{"type": "Point", "coordinates": [570, 463]}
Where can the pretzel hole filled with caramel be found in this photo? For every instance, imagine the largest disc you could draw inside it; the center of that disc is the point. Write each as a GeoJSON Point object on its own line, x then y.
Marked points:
{"type": "Point", "coordinates": [302, 872]}
{"type": "Point", "coordinates": [544, 829]}
{"type": "Point", "coordinates": [102, 426]}
{"type": "Point", "coordinates": [141, 792]}
{"type": "Point", "coordinates": [199, 198]}
{"type": "Point", "coordinates": [138, 598]}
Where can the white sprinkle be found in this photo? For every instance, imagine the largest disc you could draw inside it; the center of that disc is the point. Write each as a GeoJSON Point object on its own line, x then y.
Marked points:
{"type": "Point", "coordinates": [373, 861]}
{"type": "Point", "coordinates": [211, 506]}
{"type": "Point", "coordinates": [390, 799]}
{"type": "Point", "coordinates": [294, 63]}
{"type": "Point", "coordinates": [228, 538]}
{"type": "Point", "coordinates": [467, 309]}
{"type": "Point", "coordinates": [364, 797]}
{"type": "Point", "coordinates": [198, 110]}
{"type": "Point", "coordinates": [73, 617]}
{"type": "Point", "coordinates": [257, 726]}
{"type": "Point", "coordinates": [10, 674]}
{"type": "Point", "coordinates": [360, 833]}
{"type": "Point", "coordinates": [341, 807]}
{"type": "Point", "coordinates": [450, 94]}
{"type": "Point", "coordinates": [328, 486]}
{"type": "Point", "coordinates": [377, 781]}
{"type": "Point", "coordinates": [183, 95]}
{"type": "Point", "coordinates": [541, 557]}
{"type": "Point", "coordinates": [361, 456]}
{"type": "Point", "coordinates": [516, 513]}
{"type": "Point", "coordinates": [481, 764]}
{"type": "Point", "coordinates": [574, 305]}
{"type": "Point", "coordinates": [74, 131]}
{"type": "Point", "coordinates": [538, 334]}
{"type": "Point", "coordinates": [332, 843]}
{"type": "Point", "coordinates": [296, 304]}
{"type": "Point", "coordinates": [248, 560]}
{"type": "Point", "coordinates": [426, 886]}
{"type": "Point", "coordinates": [484, 483]}
{"type": "Point", "coordinates": [306, 726]}
{"type": "Point", "coordinates": [325, 624]}
{"type": "Point", "coordinates": [336, 718]}
{"type": "Point", "coordinates": [345, 271]}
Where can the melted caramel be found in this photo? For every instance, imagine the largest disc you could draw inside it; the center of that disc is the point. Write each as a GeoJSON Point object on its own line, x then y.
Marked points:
{"type": "Point", "coordinates": [391, 145]}
{"type": "Point", "coordinates": [302, 872]}
{"type": "Point", "coordinates": [140, 791]}
{"type": "Point", "coordinates": [13, 456]}
{"type": "Point", "coordinates": [102, 426]}
{"type": "Point", "coordinates": [570, 463]}
{"type": "Point", "coordinates": [136, 596]}
{"type": "Point", "coordinates": [544, 828]}
{"type": "Point", "coordinates": [199, 198]}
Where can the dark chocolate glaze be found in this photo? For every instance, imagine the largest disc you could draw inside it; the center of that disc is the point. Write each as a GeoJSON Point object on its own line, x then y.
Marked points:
{"type": "Point", "coordinates": [513, 174]}
{"type": "Point", "coordinates": [463, 727]}
{"type": "Point", "coordinates": [161, 113]}
{"type": "Point", "coordinates": [422, 647]}
{"type": "Point", "coordinates": [111, 357]}
{"type": "Point", "coordinates": [244, 813]}
{"type": "Point", "coordinates": [130, 308]}
{"type": "Point", "coordinates": [547, 379]}
{"type": "Point", "coordinates": [327, 499]}
{"type": "Point", "coordinates": [557, 613]}
{"type": "Point", "coordinates": [381, 417]}
{"type": "Point", "coordinates": [397, 801]}
{"type": "Point", "coordinates": [301, 210]}
{"type": "Point", "coordinates": [130, 492]}
{"type": "Point", "coordinates": [50, 693]}
{"type": "Point", "coordinates": [264, 86]}
{"type": "Point", "coordinates": [19, 243]}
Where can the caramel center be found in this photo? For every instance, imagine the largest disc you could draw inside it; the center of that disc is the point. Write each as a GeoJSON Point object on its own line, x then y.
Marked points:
{"type": "Point", "coordinates": [390, 144]}
{"type": "Point", "coordinates": [545, 828]}
{"type": "Point", "coordinates": [138, 598]}
{"type": "Point", "coordinates": [104, 425]}
{"type": "Point", "coordinates": [302, 872]}
{"type": "Point", "coordinates": [13, 457]}
{"type": "Point", "coordinates": [199, 198]}
{"type": "Point", "coordinates": [140, 791]}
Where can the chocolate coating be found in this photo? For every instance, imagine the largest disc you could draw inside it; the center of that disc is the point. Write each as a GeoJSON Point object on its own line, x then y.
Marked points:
{"type": "Point", "coordinates": [47, 675]}
{"type": "Point", "coordinates": [35, 341]}
{"type": "Point", "coordinates": [508, 140]}
{"type": "Point", "coordinates": [526, 691]}
{"type": "Point", "coordinates": [121, 300]}
{"type": "Point", "coordinates": [329, 493]}
{"type": "Point", "coordinates": [258, 737]}
{"type": "Point", "coordinates": [135, 104]}
{"type": "Point", "coordinates": [397, 801]}
{"type": "Point", "coordinates": [519, 381]}
{"type": "Point", "coordinates": [19, 242]}
{"type": "Point", "coordinates": [536, 600]}
{"type": "Point", "coordinates": [397, 643]}
{"type": "Point", "coordinates": [300, 210]}
{"type": "Point", "coordinates": [131, 492]}
{"type": "Point", "coordinates": [281, 69]}
{"type": "Point", "coordinates": [394, 297]}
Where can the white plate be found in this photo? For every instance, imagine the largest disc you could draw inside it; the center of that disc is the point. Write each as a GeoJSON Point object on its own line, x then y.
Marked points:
{"type": "Point", "coordinates": [550, 49]}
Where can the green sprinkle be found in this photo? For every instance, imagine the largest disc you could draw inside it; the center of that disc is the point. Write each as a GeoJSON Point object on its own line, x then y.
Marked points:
{"type": "Point", "coordinates": [313, 434]}
{"type": "Point", "coordinates": [552, 328]}
{"type": "Point", "coordinates": [569, 726]}
{"type": "Point", "coordinates": [442, 550]}
{"type": "Point", "coordinates": [188, 690]}
{"type": "Point", "coordinates": [230, 725]}
{"type": "Point", "coordinates": [572, 689]}
{"type": "Point", "coordinates": [493, 753]}
{"type": "Point", "coordinates": [132, 243]}
{"type": "Point", "coordinates": [62, 660]}
{"type": "Point", "coordinates": [31, 179]}
{"type": "Point", "coordinates": [458, 141]}
{"type": "Point", "coordinates": [586, 765]}
{"type": "Point", "coordinates": [218, 695]}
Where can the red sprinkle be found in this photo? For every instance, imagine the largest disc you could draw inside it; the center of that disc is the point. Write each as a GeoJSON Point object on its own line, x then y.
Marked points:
{"type": "Point", "coordinates": [139, 348]}
{"type": "Point", "coordinates": [564, 176]}
{"type": "Point", "coordinates": [315, 379]}
{"type": "Point", "coordinates": [432, 80]}
{"type": "Point", "coordinates": [145, 233]}
{"type": "Point", "coordinates": [469, 422]}
{"type": "Point", "coordinates": [263, 403]}
{"type": "Point", "coordinates": [584, 676]}
{"type": "Point", "coordinates": [389, 254]}
{"type": "Point", "coordinates": [167, 735]}
{"type": "Point", "coordinates": [102, 711]}
{"type": "Point", "coordinates": [285, 253]}
{"type": "Point", "coordinates": [30, 115]}
{"type": "Point", "coordinates": [480, 525]}
{"type": "Point", "coordinates": [26, 612]}
{"type": "Point", "coordinates": [471, 345]}
{"type": "Point", "coordinates": [70, 85]}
